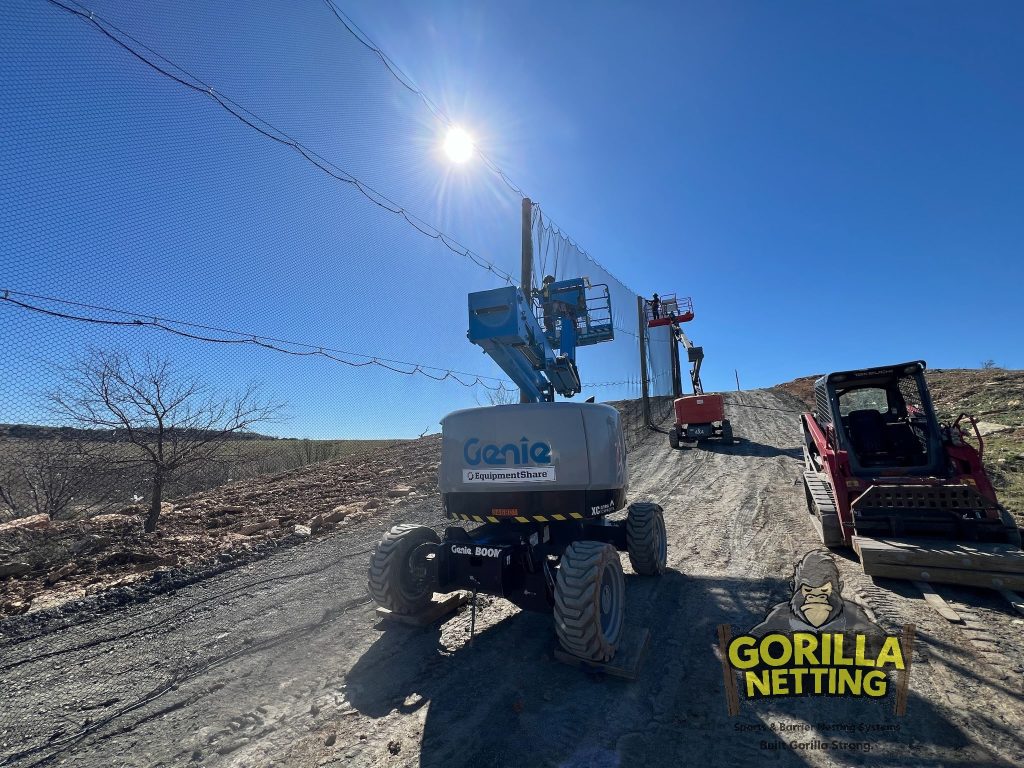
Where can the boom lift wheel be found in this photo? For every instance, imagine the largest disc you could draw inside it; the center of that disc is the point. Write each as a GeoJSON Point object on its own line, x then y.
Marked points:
{"type": "Point", "coordinates": [673, 437]}
{"type": "Point", "coordinates": [589, 600]}
{"type": "Point", "coordinates": [395, 581]}
{"type": "Point", "coordinates": [727, 432]}
{"type": "Point", "coordinates": [646, 539]}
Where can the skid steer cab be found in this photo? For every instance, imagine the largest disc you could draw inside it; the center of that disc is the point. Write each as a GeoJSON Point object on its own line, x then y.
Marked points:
{"type": "Point", "coordinates": [699, 417]}
{"type": "Point", "coordinates": [532, 486]}
{"type": "Point", "coordinates": [877, 463]}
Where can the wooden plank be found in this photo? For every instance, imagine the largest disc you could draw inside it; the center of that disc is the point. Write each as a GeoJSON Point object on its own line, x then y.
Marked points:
{"type": "Point", "coordinates": [626, 662]}
{"type": "Point", "coordinates": [903, 689]}
{"type": "Point", "coordinates": [732, 697]}
{"type": "Point", "coordinates": [1002, 558]}
{"type": "Point", "coordinates": [434, 611]}
{"type": "Point", "coordinates": [968, 578]}
{"type": "Point", "coordinates": [934, 599]}
{"type": "Point", "coordinates": [1017, 601]}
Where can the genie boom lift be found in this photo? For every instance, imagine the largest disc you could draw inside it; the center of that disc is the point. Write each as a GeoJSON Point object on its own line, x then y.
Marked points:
{"type": "Point", "coordinates": [538, 478]}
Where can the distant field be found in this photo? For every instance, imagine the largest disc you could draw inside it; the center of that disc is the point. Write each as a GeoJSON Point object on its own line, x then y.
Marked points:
{"type": "Point", "coordinates": [95, 473]}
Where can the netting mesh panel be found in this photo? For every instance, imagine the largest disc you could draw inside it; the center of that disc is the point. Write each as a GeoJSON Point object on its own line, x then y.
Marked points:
{"type": "Point", "coordinates": [124, 189]}
{"type": "Point", "coordinates": [556, 254]}
{"type": "Point", "coordinates": [259, 180]}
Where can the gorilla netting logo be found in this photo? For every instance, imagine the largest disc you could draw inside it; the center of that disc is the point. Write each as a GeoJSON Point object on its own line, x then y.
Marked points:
{"type": "Point", "coordinates": [817, 643]}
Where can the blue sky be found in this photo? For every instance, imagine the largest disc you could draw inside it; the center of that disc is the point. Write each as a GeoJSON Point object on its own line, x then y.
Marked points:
{"type": "Point", "coordinates": [835, 184]}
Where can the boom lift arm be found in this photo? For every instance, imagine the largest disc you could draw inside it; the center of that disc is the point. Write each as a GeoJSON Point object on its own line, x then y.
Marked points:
{"type": "Point", "coordinates": [694, 354]}
{"type": "Point", "coordinates": [505, 325]}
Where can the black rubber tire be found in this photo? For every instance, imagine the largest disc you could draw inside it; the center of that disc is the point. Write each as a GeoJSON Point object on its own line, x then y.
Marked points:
{"type": "Point", "coordinates": [727, 432]}
{"type": "Point", "coordinates": [390, 581]}
{"type": "Point", "coordinates": [590, 597]}
{"type": "Point", "coordinates": [646, 539]}
{"type": "Point", "coordinates": [673, 438]}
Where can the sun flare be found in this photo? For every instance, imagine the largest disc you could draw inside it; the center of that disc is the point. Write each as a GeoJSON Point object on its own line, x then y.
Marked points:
{"type": "Point", "coordinates": [458, 145]}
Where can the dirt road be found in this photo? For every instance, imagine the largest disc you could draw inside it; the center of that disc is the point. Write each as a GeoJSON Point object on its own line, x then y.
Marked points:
{"type": "Point", "coordinates": [282, 663]}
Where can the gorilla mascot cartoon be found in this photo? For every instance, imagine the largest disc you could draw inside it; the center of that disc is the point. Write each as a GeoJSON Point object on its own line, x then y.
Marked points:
{"type": "Point", "coordinates": [817, 604]}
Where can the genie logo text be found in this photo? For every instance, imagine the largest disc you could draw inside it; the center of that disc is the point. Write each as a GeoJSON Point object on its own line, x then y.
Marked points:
{"type": "Point", "coordinates": [510, 454]}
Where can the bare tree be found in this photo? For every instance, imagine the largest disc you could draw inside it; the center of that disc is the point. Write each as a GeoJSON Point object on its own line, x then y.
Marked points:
{"type": "Point", "coordinates": [499, 396]}
{"type": "Point", "coordinates": [169, 419]}
{"type": "Point", "coordinates": [52, 477]}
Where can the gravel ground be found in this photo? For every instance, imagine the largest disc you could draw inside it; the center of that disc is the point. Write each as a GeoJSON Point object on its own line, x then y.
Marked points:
{"type": "Point", "coordinates": [282, 662]}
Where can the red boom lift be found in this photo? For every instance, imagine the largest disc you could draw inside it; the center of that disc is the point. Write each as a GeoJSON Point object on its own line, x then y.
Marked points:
{"type": "Point", "coordinates": [697, 416]}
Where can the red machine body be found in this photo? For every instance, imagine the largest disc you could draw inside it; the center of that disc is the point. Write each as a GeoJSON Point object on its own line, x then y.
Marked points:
{"type": "Point", "coordinates": [699, 409]}
{"type": "Point", "coordinates": [877, 462]}
{"type": "Point", "coordinates": [699, 417]}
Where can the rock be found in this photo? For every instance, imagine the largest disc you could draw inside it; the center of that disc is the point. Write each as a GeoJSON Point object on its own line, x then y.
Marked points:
{"type": "Point", "coordinates": [30, 523]}
{"type": "Point", "coordinates": [8, 570]}
{"type": "Point", "coordinates": [249, 530]}
{"type": "Point", "coordinates": [61, 573]}
{"type": "Point", "coordinates": [15, 607]}
{"type": "Point", "coordinates": [121, 557]}
{"type": "Point", "coordinates": [336, 515]}
{"type": "Point", "coordinates": [394, 747]}
{"type": "Point", "coordinates": [331, 738]}
{"type": "Point", "coordinates": [371, 504]}
{"type": "Point", "coordinates": [232, 745]}
{"type": "Point", "coordinates": [113, 520]}
{"type": "Point", "coordinates": [991, 428]}
{"type": "Point", "coordinates": [303, 530]}
{"type": "Point", "coordinates": [355, 517]}
{"type": "Point", "coordinates": [399, 491]}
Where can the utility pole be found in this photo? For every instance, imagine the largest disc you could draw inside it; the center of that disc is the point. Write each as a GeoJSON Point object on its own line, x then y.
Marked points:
{"type": "Point", "coordinates": [644, 389]}
{"type": "Point", "coordinates": [526, 277]}
{"type": "Point", "coordinates": [736, 371]}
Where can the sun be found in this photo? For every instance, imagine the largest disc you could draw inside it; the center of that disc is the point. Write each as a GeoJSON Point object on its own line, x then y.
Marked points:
{"type": "Point", "coordinates": [458, 145]}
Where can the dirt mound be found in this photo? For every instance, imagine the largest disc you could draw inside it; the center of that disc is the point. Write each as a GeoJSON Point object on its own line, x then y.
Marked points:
{"type": "Point", "coordinates": [802, 388]}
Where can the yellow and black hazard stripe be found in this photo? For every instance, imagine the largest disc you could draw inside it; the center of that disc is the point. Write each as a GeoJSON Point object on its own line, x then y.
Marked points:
{"type": "Point", "coordinates": [520, 518]}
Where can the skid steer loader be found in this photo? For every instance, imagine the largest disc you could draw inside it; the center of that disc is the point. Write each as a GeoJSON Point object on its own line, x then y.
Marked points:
{"type": "Point", "coordinates": [909, 494]}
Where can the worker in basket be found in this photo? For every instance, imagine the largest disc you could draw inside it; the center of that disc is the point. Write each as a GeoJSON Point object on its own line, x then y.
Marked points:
{"type": "Point", "coordinates": [655, 307]}
{"type": "Point", "coordinates": [547, 303]}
